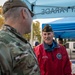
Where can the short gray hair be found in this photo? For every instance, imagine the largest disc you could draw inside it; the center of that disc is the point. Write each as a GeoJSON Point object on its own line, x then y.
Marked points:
{"type": "Point", "coordinates": [13, 13]}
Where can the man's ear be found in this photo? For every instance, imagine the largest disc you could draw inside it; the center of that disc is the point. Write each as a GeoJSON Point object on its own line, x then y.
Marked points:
{"type": "Point", "coordinates": [24, 14]}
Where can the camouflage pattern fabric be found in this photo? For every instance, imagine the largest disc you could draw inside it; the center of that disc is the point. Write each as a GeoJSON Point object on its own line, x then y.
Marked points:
{"type": "Point", "coordinates": [17, 56]}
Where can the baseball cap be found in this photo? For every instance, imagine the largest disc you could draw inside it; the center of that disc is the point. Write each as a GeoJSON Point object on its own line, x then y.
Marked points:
{"type": "Point", "coordinates": [15, 3]}
{"type": "Point", "coordinates": [47, 28]}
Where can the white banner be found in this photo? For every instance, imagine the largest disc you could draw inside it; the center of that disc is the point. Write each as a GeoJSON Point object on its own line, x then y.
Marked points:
{"type": "Point", "coordinates": [53, 12]}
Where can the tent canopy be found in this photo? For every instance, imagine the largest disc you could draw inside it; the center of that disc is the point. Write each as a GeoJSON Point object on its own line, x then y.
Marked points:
{"type": "Point", "coordinates": [52, 8]}
{"type": "Point", "coordinates": [63, 28]}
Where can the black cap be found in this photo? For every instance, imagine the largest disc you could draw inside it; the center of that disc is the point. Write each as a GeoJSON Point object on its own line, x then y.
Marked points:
{"type": "Point", "coordinates": [15, 3]}
{"type": "Point", "coordinates": [47, 28]}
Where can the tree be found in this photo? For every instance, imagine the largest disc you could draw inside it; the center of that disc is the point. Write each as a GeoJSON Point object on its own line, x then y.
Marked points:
{"type": "Point", "coordinates": [1, 17]}
{"type": "Point", "coordinates": [0, 10]}
{"type": "Point", "coordinates": [36, 31]}
{"type": "Point", "coordinates": [27, 36]}
{"type": "Point", "coordinates": [1, 21]}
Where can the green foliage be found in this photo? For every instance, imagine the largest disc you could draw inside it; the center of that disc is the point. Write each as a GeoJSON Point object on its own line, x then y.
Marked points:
{"type": "Point", "coordinates": [1, 17]}
{"type": "Point", "coordinates": [27, 36]}
{"type": "Point", "coordinates": [1, 21]}
{"type": "Point", "coordinates": [0, 10]}
{"type": "Point", "coordinates": [36, 32]}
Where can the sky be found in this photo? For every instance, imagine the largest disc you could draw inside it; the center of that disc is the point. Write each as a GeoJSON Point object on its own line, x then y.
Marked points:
{"type": "Point", "coordinates": [2, 2]}
{"type": "Point", "coordinates": [46, 20]}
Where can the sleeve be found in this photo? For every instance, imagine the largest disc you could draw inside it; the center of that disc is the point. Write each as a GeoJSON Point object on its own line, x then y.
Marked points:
{"type": "Point", "coordinates": [14, 60]}
{"type": "Point", "coordinates": [67, 64]}
{"type": "Point", "coordinates": [26, 62]}
{"type": "Point", "coordinates": [4, 58]}
{"type": "Point", "coordinates": [39, 58]}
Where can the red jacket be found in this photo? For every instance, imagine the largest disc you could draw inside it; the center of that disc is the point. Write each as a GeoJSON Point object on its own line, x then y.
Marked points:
{"type": "Point", "coordinates": [53, 63]}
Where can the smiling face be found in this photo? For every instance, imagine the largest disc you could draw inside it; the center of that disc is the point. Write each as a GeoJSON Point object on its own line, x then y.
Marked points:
{"type": "Point", "coordinates": [48, 37]}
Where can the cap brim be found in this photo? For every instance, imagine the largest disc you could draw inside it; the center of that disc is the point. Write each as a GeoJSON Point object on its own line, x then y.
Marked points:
{"type": "Point", "coordinates": [32, 14]}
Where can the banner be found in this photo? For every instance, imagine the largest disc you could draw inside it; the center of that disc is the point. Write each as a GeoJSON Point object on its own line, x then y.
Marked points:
{"type": "Point", "coordinates": [53, 12]}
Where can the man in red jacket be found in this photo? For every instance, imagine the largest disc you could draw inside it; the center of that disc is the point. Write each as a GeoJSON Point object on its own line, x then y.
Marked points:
{"type": "Point", "coordinates": [52, 57]}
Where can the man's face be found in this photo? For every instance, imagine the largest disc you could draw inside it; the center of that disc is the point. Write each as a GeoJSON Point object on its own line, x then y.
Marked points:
{"type": "Point", "coordinates": [48, 37]}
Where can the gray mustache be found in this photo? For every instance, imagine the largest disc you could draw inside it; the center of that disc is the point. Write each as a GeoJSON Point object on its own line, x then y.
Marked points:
{"type": "Point", "coordinates": [47, 38]}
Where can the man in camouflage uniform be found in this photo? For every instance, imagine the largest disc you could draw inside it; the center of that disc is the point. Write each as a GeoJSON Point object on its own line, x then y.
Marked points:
{"type": "Point", "coordinates": [16, 54]}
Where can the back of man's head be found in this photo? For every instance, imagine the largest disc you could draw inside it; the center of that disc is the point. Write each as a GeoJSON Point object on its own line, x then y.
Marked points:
{"type": "Point", "coordinates": [14, 3]}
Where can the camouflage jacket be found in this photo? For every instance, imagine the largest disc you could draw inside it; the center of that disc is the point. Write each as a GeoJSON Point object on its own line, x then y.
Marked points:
{"type": "Point", "coordinates": [16, 54]}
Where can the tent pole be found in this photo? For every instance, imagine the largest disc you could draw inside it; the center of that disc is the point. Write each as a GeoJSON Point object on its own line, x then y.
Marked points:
{"type": "Point", "coordinates": [31, 40]}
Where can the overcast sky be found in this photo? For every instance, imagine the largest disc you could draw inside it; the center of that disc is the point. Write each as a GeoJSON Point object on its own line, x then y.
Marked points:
{"type": "Point", "coordinates": [2, 2]}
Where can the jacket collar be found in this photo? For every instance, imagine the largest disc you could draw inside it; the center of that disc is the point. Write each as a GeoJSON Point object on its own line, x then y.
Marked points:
{"type": "Point", "coordinates": [51, 47]}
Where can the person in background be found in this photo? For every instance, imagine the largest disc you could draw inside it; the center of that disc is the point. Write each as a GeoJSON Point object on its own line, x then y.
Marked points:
{"type": "Point", "coordinates": [52, 57]}
{"type": "Point", "coordinates": [60, 41]}
{"type": "Point", "coordinates": [16, 54]}
{"type": "Point", "coordinates": [36, 43]}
